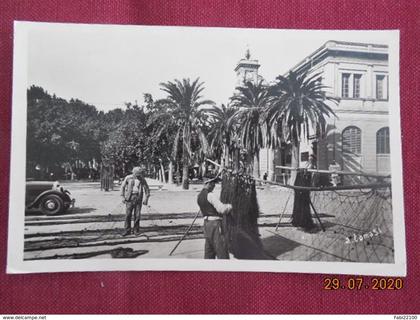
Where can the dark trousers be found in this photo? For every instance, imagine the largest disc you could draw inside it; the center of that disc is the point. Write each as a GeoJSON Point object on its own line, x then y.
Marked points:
{"type": "Point", "coordinates": [215, 245]}
{"type": "Point", "coordinates": [134, 204]}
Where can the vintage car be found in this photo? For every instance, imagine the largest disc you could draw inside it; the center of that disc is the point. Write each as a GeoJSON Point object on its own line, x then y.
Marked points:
{"type": "Point", "coordinates": [47, 197]}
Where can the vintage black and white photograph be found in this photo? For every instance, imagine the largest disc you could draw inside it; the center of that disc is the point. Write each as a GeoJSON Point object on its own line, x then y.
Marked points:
{"type": "Point", "coordinates": [184, 148]}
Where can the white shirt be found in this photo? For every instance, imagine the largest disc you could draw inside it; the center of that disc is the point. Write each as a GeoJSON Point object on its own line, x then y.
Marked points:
{"type": "Point", "coordinates": [220, 207]}
{"type": "Point", "coordinates": [136, 187]}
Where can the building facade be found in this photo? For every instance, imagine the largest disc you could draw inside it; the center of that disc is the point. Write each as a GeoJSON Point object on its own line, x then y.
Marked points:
{"type": "Point", "coordinates": [358, 138]}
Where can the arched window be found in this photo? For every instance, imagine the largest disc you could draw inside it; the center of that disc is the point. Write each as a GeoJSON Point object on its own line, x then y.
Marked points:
{"type": "Point", "coordinates": [382, 141]}
{"type": "Point", "coordinates": [352, 140]}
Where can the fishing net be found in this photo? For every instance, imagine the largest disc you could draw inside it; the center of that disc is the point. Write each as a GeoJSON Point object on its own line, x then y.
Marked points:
{"type": "Point", "coordinates": [241, 225]}
{"type": "Point", "coordinates": [301, 216]}
{"type": "Point", "coordinates": [358, 224]}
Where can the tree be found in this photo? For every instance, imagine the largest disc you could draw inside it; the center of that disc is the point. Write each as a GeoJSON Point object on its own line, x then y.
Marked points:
{"type": "Point", "coordinates": [250, 102]}
{"type": "Point", "coordinates": [72, 134]}
{"type": "Point", "coordinates": [184, 103]}
{"type": "Point", "coordinates": [127, 142]}
{"type": "Point", "coordinates": [162, 128]}
{"type": "Point", "coordinates": [60, 132]}
{"type": "Point", "coordinates": [222, 124]}
{"type": "Point", "coordinates": [298, 104]}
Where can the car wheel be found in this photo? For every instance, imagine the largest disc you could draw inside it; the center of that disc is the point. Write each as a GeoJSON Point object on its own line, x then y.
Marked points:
{"type": "Point", "coordinates": [51, 204]}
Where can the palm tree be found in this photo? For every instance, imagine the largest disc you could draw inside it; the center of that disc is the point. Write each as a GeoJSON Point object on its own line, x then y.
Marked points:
{"type": "Point", "coordinates": [184, 103]}
{"type": "Point", "coordinates": [161, 128]}
{"type": "Point", "coordinates": [298, 103]}
{"type": "Point", "coordinates": [222, 124]}
{"type": "Point", "coordinates": [250, 102]}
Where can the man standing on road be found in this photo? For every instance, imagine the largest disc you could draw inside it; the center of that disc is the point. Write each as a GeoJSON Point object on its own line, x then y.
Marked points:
{"type": "Point", "coordinates": [212, 210]}
{"type": "Point", "coordinates": [132, 193]}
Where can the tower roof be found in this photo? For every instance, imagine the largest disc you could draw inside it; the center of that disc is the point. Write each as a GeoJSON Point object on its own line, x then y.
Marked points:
{"type": "Point", "coordinates": [247, 62]}
{"type": "Point", "coordinates": [343, 48]}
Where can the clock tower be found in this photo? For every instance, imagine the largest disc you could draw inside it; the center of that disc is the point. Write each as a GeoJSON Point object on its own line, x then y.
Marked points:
{"type": "Point", "coordinates": [246, 70]}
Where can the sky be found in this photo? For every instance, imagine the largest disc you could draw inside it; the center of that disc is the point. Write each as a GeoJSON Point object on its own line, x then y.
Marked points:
{"type": "Point", "coordinates": [108, 65]}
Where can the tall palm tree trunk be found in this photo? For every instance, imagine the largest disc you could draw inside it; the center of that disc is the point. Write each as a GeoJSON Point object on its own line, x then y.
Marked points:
{"type": "Point", "coordinates": [236, 159]}
{"type": "Point", "coordinates": [225, 156]}
{"type": "Point", "coordinates": [295, 162]}
{"type": "Point", "coordinates": [171, 172]}
{"type": "Point", "coordinates": [249, 163]}
{"type": "Point", "coordinates": [185, 169]}
{"type": "Point", "coordinates": [162, 169]}
{"type": "Point", "coordinates": [256, 165]}
{"type": "Point", "coordinates": [203, 169]}
{"type": "Point", "coordinates": [186, 158]}
{"type": "Point", "coordinates": [178, 174]}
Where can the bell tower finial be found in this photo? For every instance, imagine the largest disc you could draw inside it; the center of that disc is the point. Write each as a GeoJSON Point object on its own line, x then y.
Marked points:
{"type": "Point", "coordinates": [247, 53]}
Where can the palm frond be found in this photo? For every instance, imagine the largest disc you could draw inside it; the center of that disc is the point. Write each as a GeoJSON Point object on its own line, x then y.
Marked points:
{"type": "Point", "coordinates": [299, 102]}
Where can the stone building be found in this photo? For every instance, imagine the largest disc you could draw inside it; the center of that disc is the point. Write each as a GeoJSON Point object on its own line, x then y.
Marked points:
{"type": "Point", "coordinates": [358, 139]}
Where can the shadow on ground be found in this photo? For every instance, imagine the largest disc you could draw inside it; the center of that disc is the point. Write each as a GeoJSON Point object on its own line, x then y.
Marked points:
{"type": "Point", "coordinates": [276, 246]}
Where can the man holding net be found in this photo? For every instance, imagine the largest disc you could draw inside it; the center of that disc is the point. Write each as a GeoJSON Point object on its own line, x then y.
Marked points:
{"type": "Point", "coordinates": [213, 210]}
